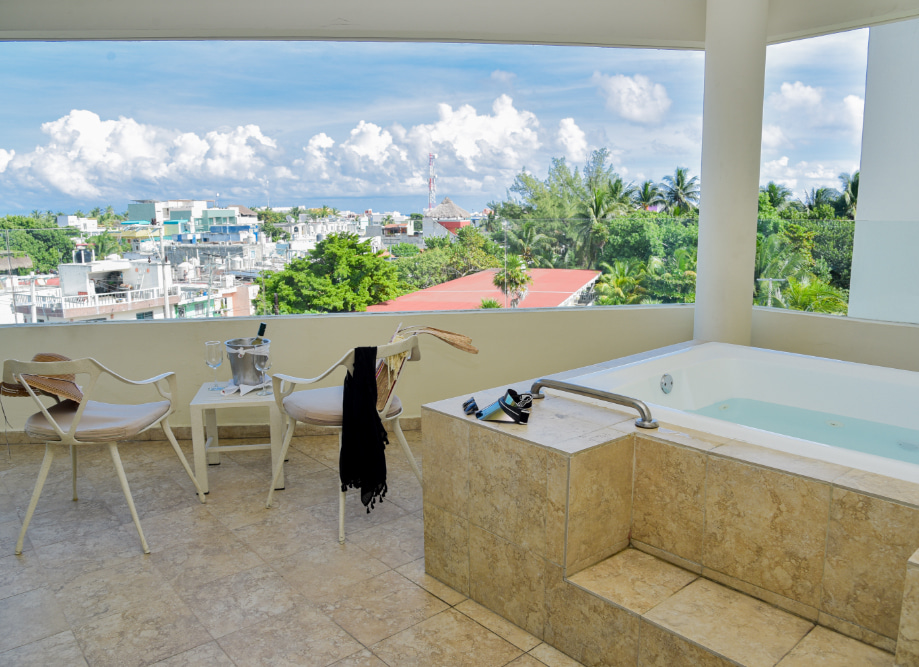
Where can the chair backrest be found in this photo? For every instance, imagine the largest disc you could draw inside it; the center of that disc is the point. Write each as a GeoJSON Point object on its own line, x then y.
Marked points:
{"type": "Point", "coordinates": [392, 358]}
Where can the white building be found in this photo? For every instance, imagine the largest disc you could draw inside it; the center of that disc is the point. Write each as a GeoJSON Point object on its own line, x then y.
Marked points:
{"type": "Point", "coordinates": [83, 224]}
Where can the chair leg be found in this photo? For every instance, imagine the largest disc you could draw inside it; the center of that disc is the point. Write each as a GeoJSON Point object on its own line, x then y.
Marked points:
{"type": "Point", "coordinates": [73, 466]}
{"type": "Point", "coordinates": [288, 435]}
{"type": "Point", "coordinates": [178, 450]}
{"type": "Point", "coordinates": [116, 459]}
{"type": "Point", "coordinates": [341, 503]}
{"type": "Point", "coordinates": [36, 494]}
{"type": "Point", "coordinates": [407, 450]}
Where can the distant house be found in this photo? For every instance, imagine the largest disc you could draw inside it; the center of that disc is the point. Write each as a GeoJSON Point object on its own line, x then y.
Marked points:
{"type": "Point", "coordinates": [551, 288]}
{"type": "Point", "coordinates": [445, 218]}
{"type": "Point", "coordinates": [83, 224]}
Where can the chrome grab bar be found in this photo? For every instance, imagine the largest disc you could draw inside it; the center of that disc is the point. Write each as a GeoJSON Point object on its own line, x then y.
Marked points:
{"type": "Point", "coordinates": [645, 421]}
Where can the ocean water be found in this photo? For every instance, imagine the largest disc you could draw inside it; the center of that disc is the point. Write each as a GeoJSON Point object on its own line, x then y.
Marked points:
{"type": "Point", "coordinates": [861, 435]}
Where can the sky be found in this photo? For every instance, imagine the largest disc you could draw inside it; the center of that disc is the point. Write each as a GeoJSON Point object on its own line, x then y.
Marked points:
{"type": "Point", "coordinates": [351, 124]}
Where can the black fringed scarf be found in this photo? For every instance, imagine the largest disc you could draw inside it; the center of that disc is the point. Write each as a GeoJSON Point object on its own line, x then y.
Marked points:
{"type": "Point", "coordinates": [362, 460]}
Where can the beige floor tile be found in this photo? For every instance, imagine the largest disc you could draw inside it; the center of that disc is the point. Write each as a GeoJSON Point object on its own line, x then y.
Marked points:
{"type": "Point", "coordinates": [63, 561]}
{"type": "Point", "coordinates": [449, 639]}
{"type": "Point", "coordinates": [363, 659]}
{"type": "Point", "coordinates": [501, 627]}
{"type": "Point", "coordinates": [80, 519]}
{"type": "Point", "coordinates": [316, 488]}
{"type": "Point", "coordinates": [552, 657]}
{"type": "Point", "coordinates": [634, 580]}
{"type": "Point", "coordinates": [19, 574]}
{"type": "Point", "coordinates": [60, 649]}
{"type": "Point", "coordinates": [282, 534]}
{"type": "Point", "coordinates": [395, 543]}
{"type": "Point", "coordinates": [302, 637]}
{"type": "Point", "coordinates": [151, 497]}
{"type": "Point", "coordinates": [190, 565]}
{"type": "Point", "coordinates": [143, 634]}
{"type": "Point", "coordinates": [240, 600]}
{"type": "Point", "coordinates": [356, 516]}
{"type": "Point", "coordinates": [323, 573]}
{"type": "Point", "coordinates": [526, 660]}
{"type": "Point", "coordinates": [415, 572]}
{"type": "Point", "coordinates": [209, 654]}
{"type": "Point", "coordinates": [377, 608]}
{"type": "Point", "coordinates": [661, 648]}
{"type": "Point", "coordinates": [190, 524]}
{"type": "Point", "coordinates": [27, 617]}
{"type": "Point", "coordinates": [825, 648]}
{"type": "Point", "coordinates": [90, 595]}
{"type": "Point", "coordinates": [733, 625]}
{"type": "Point", "coordinates": [9, 533]}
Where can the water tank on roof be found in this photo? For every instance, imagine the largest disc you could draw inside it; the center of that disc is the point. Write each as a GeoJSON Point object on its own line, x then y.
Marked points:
{"type": "Point", "coordinates": [184, 270]}
{"type": "Point", "coordinates": [113, 256]}
{"type": "Point", "coordinates": [83, 256]}
{"type": "Point", "coordinates": [319, 237]}
{"type": "Point", "coordinates": [236, 263]}
{"type": "Point", "coordinates": [194, 261]}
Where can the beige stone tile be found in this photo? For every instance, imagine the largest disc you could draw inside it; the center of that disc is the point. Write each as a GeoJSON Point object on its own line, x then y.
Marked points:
{"type": "Point", "coordinates": [192, 564]}
{"type": "Point", "coordinates": [669, 503]}
{"type": "Point", "coordinates": [206, 654]}
{"type": "Point", "coordinates": [633, 580]}
{"type": "Point", "coordinates": [822, 647]}
{"type": "Point", "coordinates": [673, 559]}
{"type": "Point", "coordinates": [190, 524]}
{"type": "Point", "coordinates": [882, 486]}
{"type": "Point", "coordinates": [550, 656]}
{"type": "Point", "coordinates": [446, 547]}
{"type": "Point", "coordinates": [811, 468]}
{"type": "Point", "coordinates": [28, 617]}
{"type": "Point", "coordinates": [583, 626]}
{"type": "Point", "coordinates": [414, 571]}
{"type": "Point", "coordinates": [598, 436]}
{"type": "Point", "coordinates": [507, 488]}
{"type": "Point", "coordinates": [356, 516]}
{"type": "Point", "coordinates": [395, 543]}
{"type": "Point", "coordinates": [863, 635]}
{"type": "Point", "coordinates": [501, 627]}
{"type": "Point", "coordinates": [59, 649]}
{"type": "Point", "coordinates": [302, 637]}
{"type": "Point", "coordinates": [766, 528]}
{"type": "Point", "coordinates": [556, 506]}
{"type": "Point", "coordinates": [281, 534]}
{"type": "Point", "coordinates": [151, 497]}
{"type": "Point", "coordinates": [19, 574]}
{"type": "Point", "coordinates": [526, 660]}
{"type": "Point", "coordinates": [169, 627]}
{"type": "Point", "coordinates": [507, 580]}
{"type": "Point", "coordinates": [239, 600]}
{"type": "Point", "coordinates": [89, 596]}
{"type": "Point", "coordinates": [62, 561]}
{"type": "Point", "coordinates": [361, 659]}
{"type": "Point", "coordinates": [449, 639]}
{"type": "Point", "coordinates": [74, 523]}
{"type": "Point", "coordinates": [908, 637]}
{"type": "Point", "coordinates": [730, 624]}
{"type": "Point", "coordinates": [868, 545]}
{"type": "Point", "coordinates": [445, 464]}
{"type": "Point", "coordinates": [684, 437]}
{"type": "Point", "coordinates": [780, 601]}
{"type": "Point", "coordinates": [316, 488]}
{"type": "Point", "coordinates": [321, 574]}
{"type": "Point", "coordinates": [662, 648]}
{"type": "Point", "coordinates": [377, 608]}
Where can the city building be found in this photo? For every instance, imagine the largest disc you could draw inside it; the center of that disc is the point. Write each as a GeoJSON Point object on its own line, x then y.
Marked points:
{"type": "Point", "coordinates": [445, 218]}
{"type": "Point", "coordinates": [83, 224]}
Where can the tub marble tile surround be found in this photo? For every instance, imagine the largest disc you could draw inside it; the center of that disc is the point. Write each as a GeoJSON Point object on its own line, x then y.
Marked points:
{"type": "Point", "coordinates": [822, 541]}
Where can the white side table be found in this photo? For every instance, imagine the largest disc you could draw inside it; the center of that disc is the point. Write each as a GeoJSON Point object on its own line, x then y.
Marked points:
{"type": "Point", "coordinates": [206, 443]}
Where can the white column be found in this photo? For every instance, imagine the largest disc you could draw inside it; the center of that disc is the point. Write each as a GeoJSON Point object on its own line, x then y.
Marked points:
{"type": "Point", "coordinates": [732, 126]}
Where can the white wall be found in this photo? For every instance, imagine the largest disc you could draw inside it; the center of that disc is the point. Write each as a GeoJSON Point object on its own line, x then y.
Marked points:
{"type": "Point", "coordinates": [887, 225]}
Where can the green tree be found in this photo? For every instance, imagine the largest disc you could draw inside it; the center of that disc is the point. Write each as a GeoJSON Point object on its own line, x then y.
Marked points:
{"type": "Point", "coordinates": [513, 280]}
{"type": "Point", "coordinates": [776, 261]}
{"type": "Point", "coordinates": [403, 249]}
{"type": "Point", "coordinates": [40, 238]}
{"type": "Point", "coordinates": [342, 274]}
{"type": "Point", "coordinates": [619, 195]}
{"type": "Point", "coordinates": [490, 303]}
{"type": "Point", "coordinates": [632, 238]}
{"type": "Point", "coordinates": [105, 244]}
{"type": "Point", "coordinates": [526, 241]}
{"type": "Point", "coordinates": [270, 220]}
{"type": "Point", "coordinates": [812, 295]}
{"type": "Point", "coordinates": [647, 195]}
{"type": "Point", "coordinates": [622, 283]}
{"type": "Point", "coordinates": [590, 232]}
{"type": "Point", "coordinates": [777, 194]}
{"type": "Point", "coordinates": [680, 192]}
{"type": "Point", "coordinates": [848, 197]}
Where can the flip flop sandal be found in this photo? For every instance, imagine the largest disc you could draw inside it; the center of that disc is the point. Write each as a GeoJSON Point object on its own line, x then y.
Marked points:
{"type": "Point", "coordinates": [511, 408]}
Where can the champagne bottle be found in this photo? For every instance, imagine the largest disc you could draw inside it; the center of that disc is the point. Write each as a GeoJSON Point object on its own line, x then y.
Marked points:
{"type": "Point", "coordinates": [261, 332]}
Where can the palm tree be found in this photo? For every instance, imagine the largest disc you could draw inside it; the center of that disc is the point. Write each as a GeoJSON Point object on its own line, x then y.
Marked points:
{"type": "Point", "coordinates": [776, 261]}
{"type": "Point", "coordinates": [513, 279]}
{"type": "Point", "coordinates": [818, 197]}
{"type": "Point", "coordinates": [849, 196]}
{"type": "Point", "coordinates": [681, 193]}
{"type": "Point", "coordinates": [106, 244]}
{"type": "Point", "coordinates": [490, 303]}
{"type": "Point", "coordinates": [647, 195]}
{"type": "Point", "coordinates": [526, 242]}
{"type": "Point", "coordinates": [813, 295]}
{"type": "Point", "coordinates": [622, 283]}
{"type": "Point", "coordinates": [619, 195]}
{"type": "Point", "coordinates": [778, 194]}
{"type": "Point", "coordinates": [590, 232]}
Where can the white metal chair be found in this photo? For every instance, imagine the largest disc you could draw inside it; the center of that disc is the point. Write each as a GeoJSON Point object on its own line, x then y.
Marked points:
{"type": "Point", "coordinates": [323, 407]}
{"type": "Point", "coordinates": [70, 423]}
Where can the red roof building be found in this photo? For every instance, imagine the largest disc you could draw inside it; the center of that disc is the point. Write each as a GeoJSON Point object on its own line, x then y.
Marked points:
{"type": "Point", "coordinates": [550, 288]}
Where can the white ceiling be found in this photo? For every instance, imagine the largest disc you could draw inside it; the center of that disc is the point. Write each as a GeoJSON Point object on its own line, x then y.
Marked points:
{"type": "Point", "coordinates": [650, 23]}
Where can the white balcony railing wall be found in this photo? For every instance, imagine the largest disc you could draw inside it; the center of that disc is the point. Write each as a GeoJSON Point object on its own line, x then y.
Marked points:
{"type": "Point", "coordinates": [58, 303]}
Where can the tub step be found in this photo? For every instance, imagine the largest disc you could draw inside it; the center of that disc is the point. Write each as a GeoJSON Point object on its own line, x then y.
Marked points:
{"type": "Point", "coordinates": [688, 620]}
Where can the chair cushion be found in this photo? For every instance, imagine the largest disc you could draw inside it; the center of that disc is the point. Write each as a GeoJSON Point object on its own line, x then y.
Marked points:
{"type": "Point", "coordinates": [101, 422]}
{"type": "Point", "coordinates": [322, 407]}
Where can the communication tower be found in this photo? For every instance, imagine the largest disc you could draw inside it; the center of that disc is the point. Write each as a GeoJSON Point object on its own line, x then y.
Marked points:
{"type": "Point", "coordinates": [432, 186]}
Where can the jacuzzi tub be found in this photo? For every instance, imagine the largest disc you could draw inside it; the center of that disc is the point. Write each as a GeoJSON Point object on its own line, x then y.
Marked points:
{"type": "Point", "coordinates": [860, 416]}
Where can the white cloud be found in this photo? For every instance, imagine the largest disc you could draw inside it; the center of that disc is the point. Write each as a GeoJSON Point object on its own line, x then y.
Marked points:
{"type": "Point", "coordinates": [634, 98]}
{"type": "Point", "coordinates": [794, 96]}
{"type": "Point", "coordinates": [369, 141]}
{"type": "Point", "coordinates": [5, 158]}
{"type": "Point", "coordinates": [573, 140]}
{"type": "Point", "coordinates": [503, 77]}
{"type": "Point", "coordinates": [804, 175]}
{"type": "Point", "coordinates": [774, 137]}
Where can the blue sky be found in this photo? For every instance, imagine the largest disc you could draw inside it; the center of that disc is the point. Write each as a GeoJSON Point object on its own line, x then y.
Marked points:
{"type": "Point", "coordinates": [350, 124]}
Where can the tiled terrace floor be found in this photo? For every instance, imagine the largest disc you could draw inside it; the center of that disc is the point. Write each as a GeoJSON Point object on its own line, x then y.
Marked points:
{"type": "Point", "coordinates": [230, 582]}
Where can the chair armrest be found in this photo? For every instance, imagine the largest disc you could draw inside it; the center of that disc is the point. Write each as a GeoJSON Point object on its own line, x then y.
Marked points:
{"type": "Point", "coordinates": [281, 391]}
{"type": "Point", "coordinates": [169, 376]}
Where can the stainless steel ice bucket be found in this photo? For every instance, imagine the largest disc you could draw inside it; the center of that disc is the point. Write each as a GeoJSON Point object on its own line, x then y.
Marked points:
{"type": "Point", "coordinates": [243, 365]}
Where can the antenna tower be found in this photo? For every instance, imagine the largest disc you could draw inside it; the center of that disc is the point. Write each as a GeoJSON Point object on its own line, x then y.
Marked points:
{"type": "Point", "coordinates": [432, 186]}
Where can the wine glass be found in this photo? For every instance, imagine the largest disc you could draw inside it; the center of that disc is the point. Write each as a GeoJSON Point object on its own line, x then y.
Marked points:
{"type": "Point", "coordinates": [263, 364]}
{"type": "Point", "coordinates": [213, 357]}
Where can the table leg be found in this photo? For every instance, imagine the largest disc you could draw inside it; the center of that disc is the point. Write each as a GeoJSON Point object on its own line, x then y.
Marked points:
{"type": "Point", "coordinates": [210, 420]}
{"type": "Point", "coordinates": [198, 440]}
{"type": "Point", "coordinates": [276, 426]}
